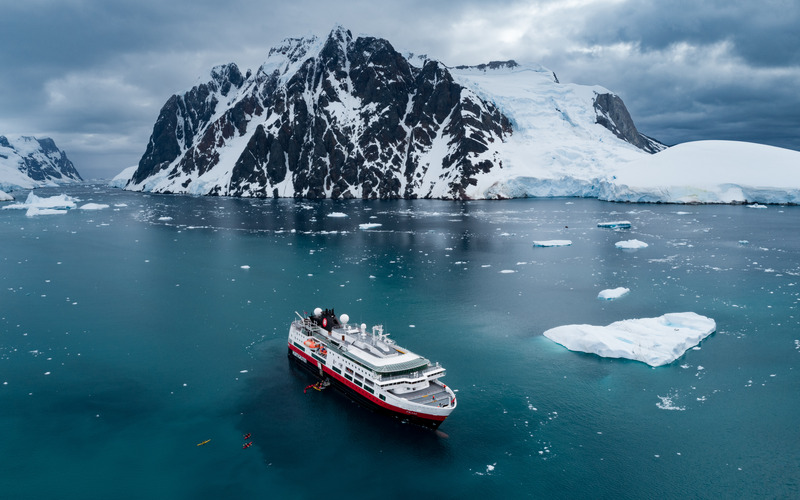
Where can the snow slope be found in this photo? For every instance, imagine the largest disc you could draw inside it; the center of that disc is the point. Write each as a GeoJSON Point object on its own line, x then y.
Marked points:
{"type": "Point", "coordinates": [557, 148]}
{"type": "Point", "coordinates": [27, 162]}
{"type": "Point", "coordinates": [708, 172]}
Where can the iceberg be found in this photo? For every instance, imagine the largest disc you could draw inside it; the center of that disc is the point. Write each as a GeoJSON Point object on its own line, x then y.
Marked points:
{"type": "Point", "coordinates": [654, 341]}
{"type": "Point", "coordinates": [5, 196]}
{"type": "Point", "coordinates": [552, 243]}
{"type": "Point", "coordinates": [369, 225]}
{"type": "Point", "coordinates": [613, 293]}
{"type": "Point", "coordinates": [60, 202]}
{"type": "Point", "coordinates": [630, 244]}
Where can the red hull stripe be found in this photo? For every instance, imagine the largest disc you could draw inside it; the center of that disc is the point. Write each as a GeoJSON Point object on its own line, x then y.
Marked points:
{"type": "Point", "coordinates": [364, 393]}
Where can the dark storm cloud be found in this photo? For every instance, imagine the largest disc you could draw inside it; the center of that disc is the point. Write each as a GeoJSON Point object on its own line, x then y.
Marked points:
{"type": "Point", "coordinates": [763, 33]}
{"type": "Point", "coordinates": [93, 74]}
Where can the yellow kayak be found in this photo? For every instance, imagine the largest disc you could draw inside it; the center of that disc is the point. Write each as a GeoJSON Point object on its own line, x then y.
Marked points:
{"type": "Point", "coordinates": [204, 442]}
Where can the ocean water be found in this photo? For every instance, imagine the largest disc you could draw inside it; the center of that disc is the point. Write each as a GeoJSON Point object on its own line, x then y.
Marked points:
{"type": "Point", "coordinates": [129, 335]}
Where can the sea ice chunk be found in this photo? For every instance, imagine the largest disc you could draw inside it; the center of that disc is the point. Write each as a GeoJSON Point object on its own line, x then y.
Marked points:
{"type": "Point", "coordinates": [61, 201]}
{"type": "Point", "coordinates": [33, 211]}
{"type": "Point", "coordinates": [369, 225]}
{"type": "Point", "coordinates": [613, 293]}
{"type": "Point", "coordinates": [337, 214]}
{"type": "Point", "coordinates": [94, 206]}
{"type": "Point", "coordinates": [630, 244]}
{"type": "Point", "coordinates": [655, 341]}
{"type": "Point", "coordinates": [615, 224]}
{"type": "Point", "coordinates": [552, 243]}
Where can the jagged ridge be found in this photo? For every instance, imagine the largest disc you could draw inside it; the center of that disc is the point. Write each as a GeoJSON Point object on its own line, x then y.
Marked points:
{"type": "Point", "coordinates": [340, 118]}
{"type": "Point", "coordinates": [349, 117]}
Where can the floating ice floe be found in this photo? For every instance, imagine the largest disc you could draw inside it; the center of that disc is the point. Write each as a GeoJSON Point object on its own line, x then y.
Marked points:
{"type": "Point", "coordinates": [613, 293]}
{"type": "Point", "coordinates": [552, 243]}
{"type": "Point", "coordinates": [369, 225]}
{"type": "Point", "coordinates": [34, 211]}
{"type": "Point", "coordinates": [93, 206]}
{"type": "Point", "coordinates": [337, 214]}
{"type": "Point", "coordinates": [59, 202]}
{"type": "Point", "coordinates": [655, 341]}
{"type": "Point", "coordinates": [630, 244]}
{"type": "Point", "coordinates": [756, 205]}
{"type": "Point", "coordinates": [615, 224]}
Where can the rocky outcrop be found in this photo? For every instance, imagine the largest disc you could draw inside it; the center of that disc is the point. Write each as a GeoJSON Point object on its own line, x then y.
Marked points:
{"type": "Point", "coordinates": [613, 115]}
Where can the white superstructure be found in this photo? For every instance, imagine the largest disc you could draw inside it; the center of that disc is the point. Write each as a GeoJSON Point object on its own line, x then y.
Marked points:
{"type": "Point", "coordinates": [371, 368]}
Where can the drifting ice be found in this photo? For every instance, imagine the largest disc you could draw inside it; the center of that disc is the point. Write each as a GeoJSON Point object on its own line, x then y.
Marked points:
{"type": "Point", "coordinates": [630, 244]}
{"type": "Point", "coordinates": [61, 201]}
{"type": "Point", "coordinates": [655, 341]}
{"type": "Point", "coordinates": [613, 293]}
{"type": "Point", "coordinates": [94, 206]}
{"type": "Point", "coordinates": [615, 224]}
{"type": "Point", "coordinates": [552, 243]}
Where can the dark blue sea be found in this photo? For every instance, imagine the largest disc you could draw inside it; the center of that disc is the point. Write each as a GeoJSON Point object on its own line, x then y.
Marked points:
{"type": "Point", "coordinates": [130, 334]}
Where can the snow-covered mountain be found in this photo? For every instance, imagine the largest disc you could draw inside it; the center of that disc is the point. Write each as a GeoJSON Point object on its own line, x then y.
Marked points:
{"type": "Point", "coordinates": [351, 117]}
{"type": "Point", "coordinates": [27, 162]}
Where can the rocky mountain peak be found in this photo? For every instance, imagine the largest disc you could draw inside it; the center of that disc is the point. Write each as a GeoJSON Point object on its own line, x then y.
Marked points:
{"type": "Point", "coordinates": [339, 117]}
{"type": "Point", "coordinates": [32, 161]}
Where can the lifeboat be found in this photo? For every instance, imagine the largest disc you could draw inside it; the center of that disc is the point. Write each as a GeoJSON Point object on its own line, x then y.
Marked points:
{"type": "Point", "coordinates": [311, 344]}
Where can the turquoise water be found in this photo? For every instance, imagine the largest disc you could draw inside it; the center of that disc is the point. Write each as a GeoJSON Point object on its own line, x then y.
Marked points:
{"type": "Point", "coordinates": [130, 334]}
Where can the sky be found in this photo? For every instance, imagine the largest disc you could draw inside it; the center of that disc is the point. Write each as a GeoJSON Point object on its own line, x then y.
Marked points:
{"type": "Point", "coordinates": [93, 74]}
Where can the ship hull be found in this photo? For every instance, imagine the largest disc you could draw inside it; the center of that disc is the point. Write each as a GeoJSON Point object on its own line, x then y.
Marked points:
{"type": "Point", "coordinates": [342, 386]}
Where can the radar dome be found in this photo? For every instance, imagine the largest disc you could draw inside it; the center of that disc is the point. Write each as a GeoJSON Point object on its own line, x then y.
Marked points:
{"type": "Point", "coordinates": [317, 311]}
{"type": "Point", "coordinates": [345, 318]}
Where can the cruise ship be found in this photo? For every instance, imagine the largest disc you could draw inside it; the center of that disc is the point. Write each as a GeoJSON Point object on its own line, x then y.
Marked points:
{"type": "Point", "coordinates": [371, 368]}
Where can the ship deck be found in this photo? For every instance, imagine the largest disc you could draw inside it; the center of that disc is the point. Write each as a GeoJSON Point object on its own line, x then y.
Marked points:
{"type": "Point", "coordinates": [433, 395]}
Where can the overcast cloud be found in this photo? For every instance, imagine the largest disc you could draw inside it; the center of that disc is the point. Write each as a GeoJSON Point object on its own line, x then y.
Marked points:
{"type": "Point", "coordinates": [93, 74]}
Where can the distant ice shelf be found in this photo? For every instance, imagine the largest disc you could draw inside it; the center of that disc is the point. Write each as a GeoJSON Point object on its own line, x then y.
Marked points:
{"type": "Point", "coordinates": [655, 341]}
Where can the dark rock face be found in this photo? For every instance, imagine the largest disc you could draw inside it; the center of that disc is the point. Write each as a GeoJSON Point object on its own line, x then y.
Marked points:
{"type": "Point", "coordinates": [45, 163]}
{"type": "Point", "coordinates": [613, 115]}
{"type": "Point", "coordinates": [345, 118]}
